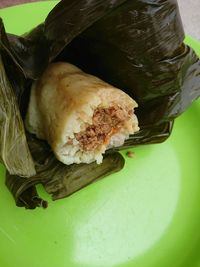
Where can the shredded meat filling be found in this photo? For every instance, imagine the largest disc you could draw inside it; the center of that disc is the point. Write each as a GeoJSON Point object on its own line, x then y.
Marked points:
{"type": "Point", "coordinates": [106, 122]}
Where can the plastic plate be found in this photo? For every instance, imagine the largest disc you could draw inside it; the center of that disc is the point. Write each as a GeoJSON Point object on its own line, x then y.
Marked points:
{"type": "Point", "coordinates": [147, 215]}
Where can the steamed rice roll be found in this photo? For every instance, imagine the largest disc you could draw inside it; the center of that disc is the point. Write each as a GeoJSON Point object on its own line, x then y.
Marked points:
{"type": "Point", "coordinates": [78, 114]}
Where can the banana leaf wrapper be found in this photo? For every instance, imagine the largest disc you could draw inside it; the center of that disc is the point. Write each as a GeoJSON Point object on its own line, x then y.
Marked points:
{"type": "Point", "coordinates": [14, 150]}
{"type": "Point", "coordinates": [58, 179]}
{"type": "Point", "coordinates": [139, 47]}
{"type": "Point", "coordinates": [134, 45]}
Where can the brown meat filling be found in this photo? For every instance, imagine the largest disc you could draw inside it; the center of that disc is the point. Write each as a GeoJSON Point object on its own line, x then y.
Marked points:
{"type": "Point", "coordinates": [106, 122]}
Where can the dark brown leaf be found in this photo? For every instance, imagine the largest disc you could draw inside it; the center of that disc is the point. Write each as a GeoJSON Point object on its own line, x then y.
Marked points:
{"type": "Point", "coordinates": [58, 179]}
{"type": "Point", "coordinates": [14, 150]}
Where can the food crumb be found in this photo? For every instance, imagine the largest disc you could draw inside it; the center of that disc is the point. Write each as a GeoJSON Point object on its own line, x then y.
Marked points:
{"type": "Point", "coordinates": [44, 204]}
{"type": "Point", "coordinates": [130, 154]}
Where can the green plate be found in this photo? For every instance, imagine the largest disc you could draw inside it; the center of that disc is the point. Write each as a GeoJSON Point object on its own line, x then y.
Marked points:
{"type": "Point", "coordinates": [147, 215]}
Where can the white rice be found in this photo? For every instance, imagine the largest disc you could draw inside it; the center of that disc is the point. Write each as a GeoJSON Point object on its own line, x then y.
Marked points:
{"type": "Point", "coordinates": [72, 153]}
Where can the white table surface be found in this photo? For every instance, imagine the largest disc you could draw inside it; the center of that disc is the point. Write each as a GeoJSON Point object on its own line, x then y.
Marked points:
{"type": "Point", "coordinates": [190, 13]}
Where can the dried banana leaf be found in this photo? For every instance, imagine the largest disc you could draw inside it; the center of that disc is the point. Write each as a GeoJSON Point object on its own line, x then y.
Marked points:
{"type": "Point", "coordinates": [58, 179]}
{"type": "Point", "coordinates": [29, 54]}
{"type": "Point", "coordinates": [139, 47]}
{"type": "Point", "coordinates": [134, 45]}
{"type": "Point", "coordinates": [14, 151]}
{"type": "Point", "coordinates": [19, 56]}
{"type": "Point", "coordinates": [69, 18]}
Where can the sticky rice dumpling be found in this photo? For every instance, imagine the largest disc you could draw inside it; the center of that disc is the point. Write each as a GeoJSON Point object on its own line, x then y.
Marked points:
{"type": "Point", "coordinates": [78, 114]}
